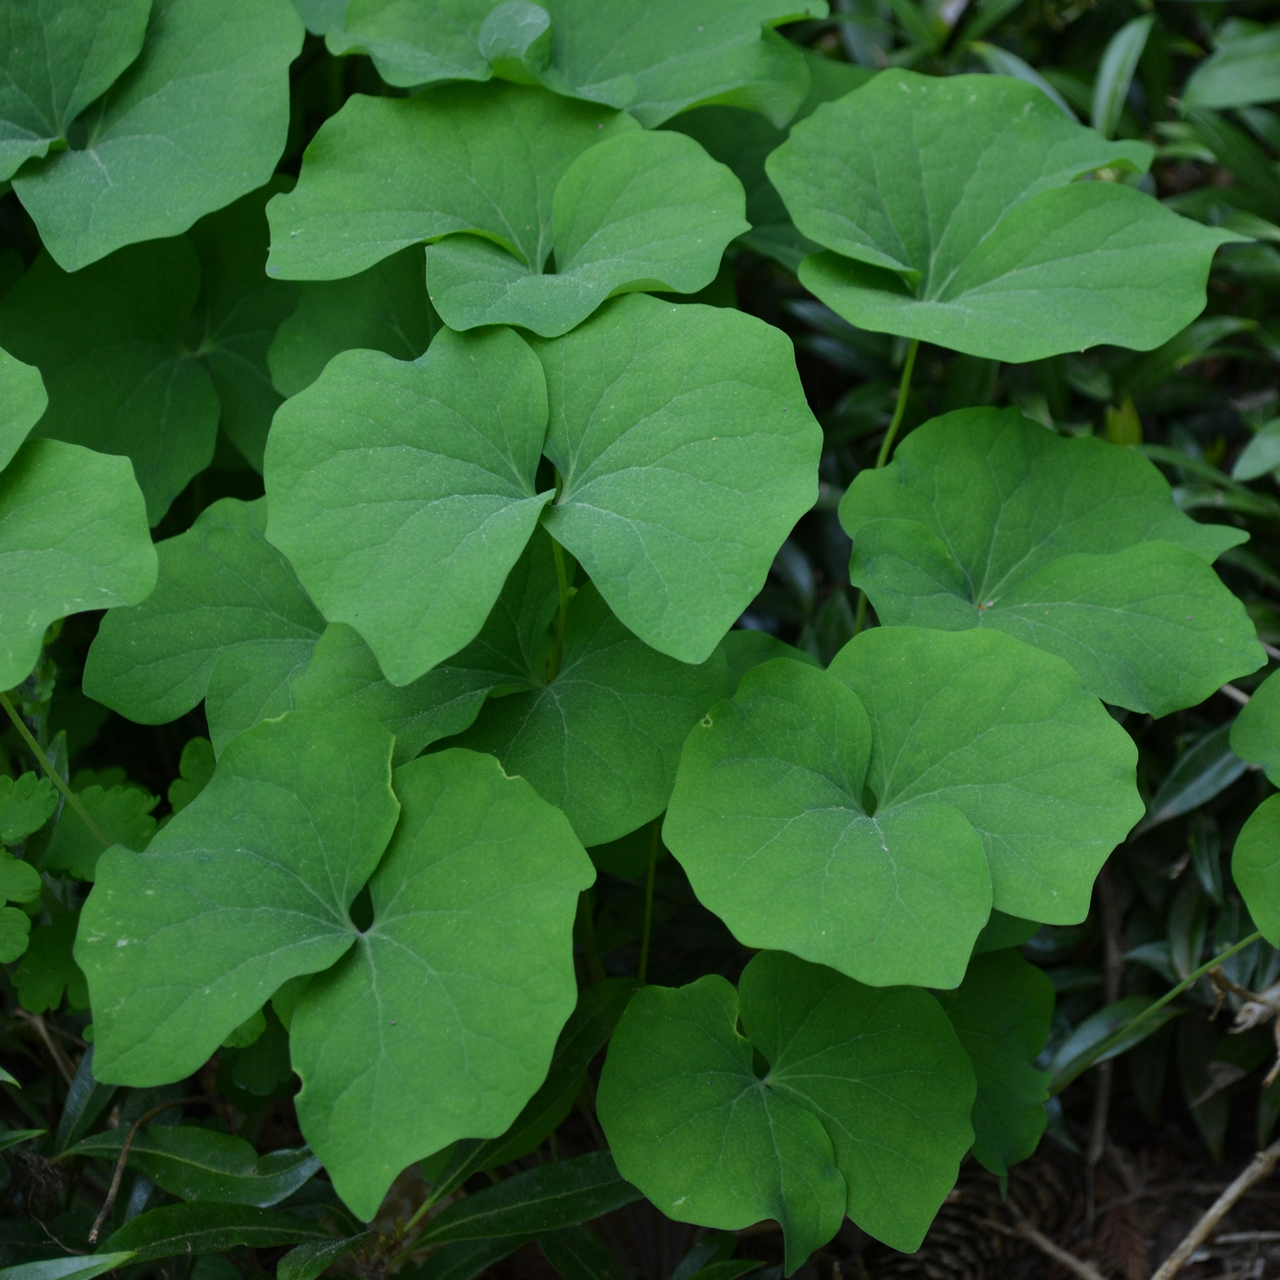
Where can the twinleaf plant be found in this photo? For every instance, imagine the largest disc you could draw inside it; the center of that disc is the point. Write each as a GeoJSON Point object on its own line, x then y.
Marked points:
{"type": "Point", "coordinates": [413, 465]}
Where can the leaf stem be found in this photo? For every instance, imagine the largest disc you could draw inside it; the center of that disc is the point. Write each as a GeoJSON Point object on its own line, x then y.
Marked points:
{"type": "Point", "coordinates": [886, 447]}
{"type": "Point", "coordinates": [1109, 1042]}
{"type": "Point", "coordinates": [648, 902]}
{"type": "Point", "coordinates": [67, 794]}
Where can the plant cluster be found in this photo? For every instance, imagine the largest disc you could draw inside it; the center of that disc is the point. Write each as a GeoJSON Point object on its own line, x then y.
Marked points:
{"type": "Point", "coordinates": [440, 419]}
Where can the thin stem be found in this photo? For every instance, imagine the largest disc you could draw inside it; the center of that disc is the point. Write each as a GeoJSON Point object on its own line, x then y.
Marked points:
{"type": "Point", "coordinates": [886, 446]}
{"type": "Point", "coordinates": [67, 794]}
{"type": "Point", "coordinates": [648, 903]}
{"type": "Point", "coordinates": [562, 581]}
{"type": "Point", "coordinates": [1173, 993]}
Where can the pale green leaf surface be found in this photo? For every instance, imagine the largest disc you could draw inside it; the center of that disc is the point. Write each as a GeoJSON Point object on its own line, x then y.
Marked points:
{"type": "Point", "coordinates": [769, 820]}
{"type": "Point", "coordinates": [196, 121]}
{"type": "Point", "coordinates": [1255, 867]}
{"type": "Point", "coordinates": [985, 519]}
{"type": "Point", "coordinates": [704, 1139]}
{"type": "Point", "coordinates": [108, 342]}
{"type": "Point", "coordinates": [1115, 73]}
{"type": "Point", "coordinates": [321, 16]}
{"type": "Point", "coordinates": [382, 309]}
{"type": "Point", "coordinates": [404, 493]}
{"type": "Point", "coordinates": [602, 740]}
{"type": "Point", "coordinates": [15, 933]}
{"type": "Point", "coordinates": [57, 59]}
{"type": "Point", "coordinates": [123, 815]}
{"type": "Point", "coordinates": [195, 1163]}
{"type": "Point", "coordinates": [73, 536]}
{"type": "Point", "coordinates": [1009, 737]}
{"type": "Point", "coordinates": [1001, 1014]}
{"type": "Point", "coordinates": [884, 1074]}
{"type": "Point", "coordinates": [1260, 455]}
{"type": "Point", "coordinates": [687, 453]}
{"type": "Point", "coordinates": [386, 173]}
{"type": "Point", "coordinates": [227, 622]}
{"type": "Point", "coordinates": [639, 211]}
{"type": "Point", "coordinates": [1238, 73]}
{"type": "Point", "coordinates": [77, 1267]}
{"type": "Point", "coordinates": [19, 880]}
{"type": "Point", "coordinates": [248, 886]}
{"type": "Point", "coordinates": [1255, 735]}
{"type": "Point", "coordinates": [441, 1023]}
{"type": "Point", "coordinates": [981, 240]}
{"type": "Point", "coordinates": [26, 804]}
{"type": "Point", "coordinates": [22, 403]}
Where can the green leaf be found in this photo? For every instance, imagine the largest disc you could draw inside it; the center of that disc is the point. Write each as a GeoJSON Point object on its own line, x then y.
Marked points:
{"type": "Point", "coordinates": [1002, 931]}
{"type": "Point", "coordinates": [601, 740]}
{"type": "Point", "coordinates": [308, 1261]}
{"type": "Point", "coordinates": [24, 403]}
{"type": "Point", "coordinates": [77, 1267]}
{"type": "Point", "coordinates": [248, 886]}
{"type": "Point", "coordinates": [123, 814]}
{"type": "Point", "coordinates": [687, 452]}
{"type": "Point", "coordinates": [1260, 455]}
{"type": "Point", "coordinates": [1001, 1014]}
{"type": "Point", "coordinates": [196, 121]}
{"type": "Point", "coordinates": [1115, 73]}
{"type": "Point", "coordinates": [746, 649]}
{"type": "Point", "coordinates": [19, 881]}
{"type": "Point", "coordinates": [1255, 867]}
{"type": "Point", "coordinates": [48, 969]}
{"type": "Point", "coordinates": [73, 536]}
{"type": "Point", "coordinates": [195, 768]}
{"type": "Point", "coordinates": [985, 519]}
{"type": "Point", "coordinates": [560, 1194]}
{"type": "Point", "coordinates": [468, 1259]}
{"type": "Point", "coordinates": [982, 241]}
{"type": "Point", "coordinates": [440, 1023]}
{"type": "Point", "coordinates": [577, 1253]}
{"type": "Point", "coordinates": [1076, 1052]}
{"type": "Point", "coordinates": [864, 817]}
{"type": "Point", "coordinates": [228, 622]}
{"type": "Point", "coordinates": [107, 340]}
{"type": "Point", "coordinates": [1255, 734]}
{"type": "Point", "coordinates": [639, 211]}
{"type": "Point", "coordinates": [56, 62]}
{"type": "Point", "coordinates": [1204, 769]}
{"type": "Point", "coordinates": [26, 804]}
{"type": "Point", "coordinates": [864, 1107]}
{"type": "Point", "coordinates": [194, 1163]}
{"type": "Point", "coordinates": [197, 1228]}
{"type": "Point", "coordinates": [1239, 72]}
{"type": "Point", "coordinates": [15, 933]}
{"type": "Point", "coordinates": [450, 445]}
{"type": "Point", "coordinates": [382, 309]}
{"type": "Point", "coordinates": [14, 1137]}
{"type": "Point", "coordinates": [385, 173]}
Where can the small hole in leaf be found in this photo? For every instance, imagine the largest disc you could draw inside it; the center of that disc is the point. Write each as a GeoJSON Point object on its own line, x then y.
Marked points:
{"type": "Point", "coordinates": [362, 910]}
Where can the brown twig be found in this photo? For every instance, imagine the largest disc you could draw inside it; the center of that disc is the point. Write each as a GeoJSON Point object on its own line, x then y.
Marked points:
{"type": "Point", "coordinates": [60, 1059]}
{"type": "Point", "coordinates": [1260, 1167]}
{"type": "Point", "coordinates": [109, 1203]}
{"type": "Point", "coordinates": [1077, 1266]}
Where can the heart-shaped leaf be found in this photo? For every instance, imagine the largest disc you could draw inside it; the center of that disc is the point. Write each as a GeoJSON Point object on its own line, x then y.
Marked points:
{"type": "Point", "coordinates": [979, 239]}
{"type": "Point", "coordinates": [196, 121]}
{"type": "Point", "coordinates": [24, 401]}
{"type": "Point", "coordinates": [1255, 867]}
{"type": "Point", "coordinates": [864, 1107]}
{"type": "Point", "coordinates": [865, 817]}
{"type": "Point", "coordinates": [985, 519]}
{"type": "Point", "coordinates": [404, 493]}
{"type": "Point", "coordinates": [56, 62]}
{"type": "Point", "coordinates": [228, 622]}
{"type": "Point", "coordinates": [639, 211]}
{"type": "Point", "coordinates": [248, 886]}
{"type": "Point", "coordinates": [600, 740]}
{"type": "Point", "coordinates": [386, 173]}
{"type": "Point", "coordinates": [1001, 1013]}
{"type": "Point", "coordinates": [73, 536]}
{"type": "Point", "coordinates": [686, 453]}
{"type": "Point", "coordinates": [1255, 735]}
{"type": "Point", "coordinates": [441, 1022]}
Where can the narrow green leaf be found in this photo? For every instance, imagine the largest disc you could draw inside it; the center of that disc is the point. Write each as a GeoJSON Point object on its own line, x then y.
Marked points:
{"type": "Point", "coordinates": [1202, 771]}
{"type": "Point", "coordinates": [1001, 1013]}
{"type": "Point", "coordinates": [687, 452]}
{"type": "Point", "coordinates": [24, 403]}
{"type": "Point", "coordinates": [1115, 73]}
{"type": "Point", "coordinates": [15, 1137]}
{"type": "Point", "coordinates": [1255, 734]}
{"type": "Point", "coordinates": [1001, 62]}
{"type": "Point", "coordinates": [1239, 72]}
{"type": "Point", "coordinates": [248, 886]}
{"type": "Point", "coordinates": [577, 1253]}
{"type": "Point", "coordinates": [560, 1194]}
{"type": "Point", "coordinates": [441, 1022]}
{"type": "Point", "coordinates": [308, 1261]}
{"type": "Point", "coordinates": [77, 1267]}
{"type": "Point", "coordinates": [450, 446]}
{"type": "Point", "coordinates": [179, 1229]}
{"type": "Point", "coordinates": [73, 536]}
{"type": "Point", "coordinates": [467, 1259]}
{"type": "Point", "coordinates": [1260, 455]}
{"type": "Point", "coordinates": [197, 120]}
{"type": "Point", "coordinates": [1079, 1045]}
{"type": "Point", "coordinates": [228, 622]}
{"type": "Point", "coordinates": [1255, 867]}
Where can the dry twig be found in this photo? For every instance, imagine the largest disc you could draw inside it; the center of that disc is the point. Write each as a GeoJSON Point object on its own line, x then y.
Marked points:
{"type": "Point", "coordinates": [1024, 1231]}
